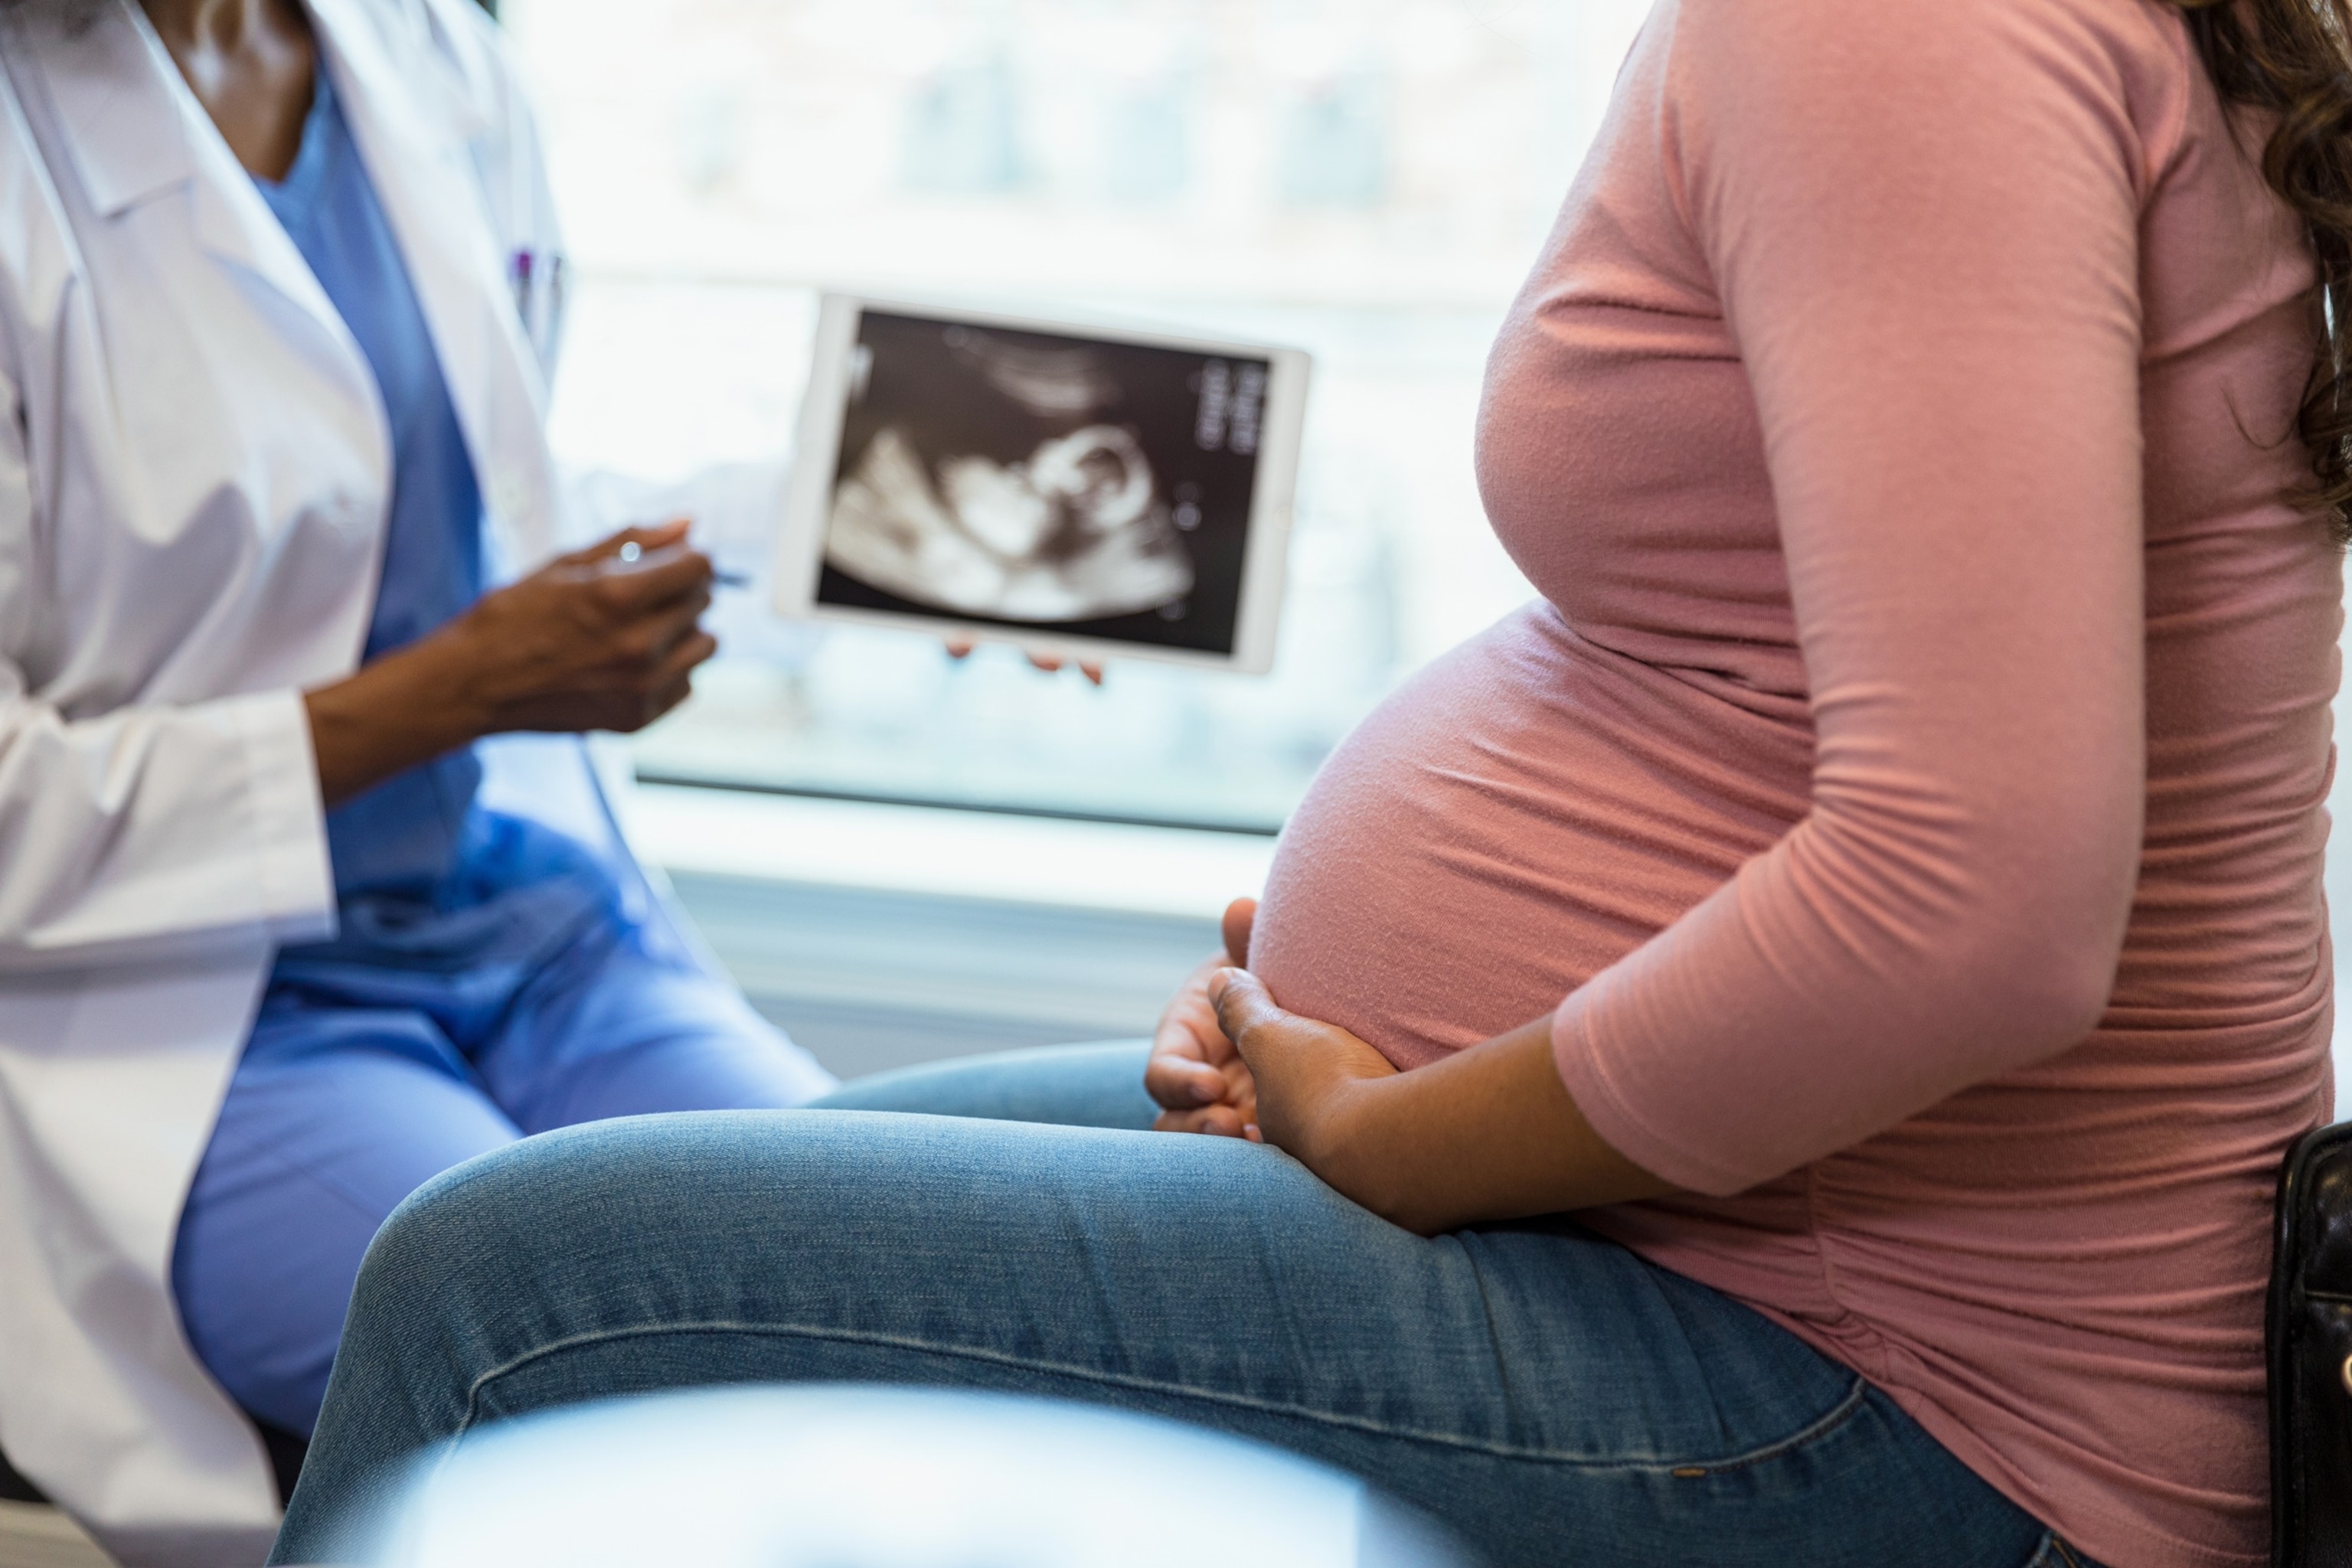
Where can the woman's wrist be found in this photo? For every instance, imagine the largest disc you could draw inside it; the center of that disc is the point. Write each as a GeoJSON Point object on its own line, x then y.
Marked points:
{"type": "Point", "coordinates": [1489, 1134]}
{"type": "Point", "coordinates": [1353, 1138]}
{"type": "Point", "coordinates": [402, 710]}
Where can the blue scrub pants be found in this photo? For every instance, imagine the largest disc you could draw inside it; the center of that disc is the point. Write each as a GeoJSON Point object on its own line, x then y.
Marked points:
{"type": "Point", "coordinates": [365, 1080]}
{"type": "Point", "coordinates": [1548, 1394]}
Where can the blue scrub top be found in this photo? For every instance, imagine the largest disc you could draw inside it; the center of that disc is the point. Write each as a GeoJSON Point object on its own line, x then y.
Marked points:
{"type": "Point", "coordinates": [409, 834]}
{"type": "Point", "coordinates": [491, 976]}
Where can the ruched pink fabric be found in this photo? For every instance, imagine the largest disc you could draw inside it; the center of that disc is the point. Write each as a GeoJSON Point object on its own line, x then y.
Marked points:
{"type": "Point", "coordinates": [1913, 774]}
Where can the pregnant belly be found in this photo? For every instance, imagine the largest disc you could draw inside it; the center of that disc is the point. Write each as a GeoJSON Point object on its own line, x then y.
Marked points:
{"type": "Point", "coordinates": [1514, 819]}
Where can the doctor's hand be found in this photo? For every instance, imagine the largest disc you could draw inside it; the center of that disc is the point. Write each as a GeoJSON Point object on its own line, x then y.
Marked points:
{"type": "Point", "coordinates": [961, 648]}
{"type": "Point", "coordinates": [1197, 1076]}
{"type": "Point", "coordinates": [604, 638]}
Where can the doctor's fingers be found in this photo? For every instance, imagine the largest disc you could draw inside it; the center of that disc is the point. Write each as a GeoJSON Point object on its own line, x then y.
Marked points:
{"type": "Point", "coordinates": [626, 696]}
{"type": "Point", "coordinates": [678, 661]}
{"type": "Point", "coordinates": [658, 581]}
{"type": "Point", "coordinates": [651, 633]}
{"type": "Point", "coordinates": [675, 694]}
{"type": "Point", "coordinates": [674, 682]}
{"type": "Point", "coordinates": [646, 537]}
{"type": "Point", "coordinates": [645, 657]}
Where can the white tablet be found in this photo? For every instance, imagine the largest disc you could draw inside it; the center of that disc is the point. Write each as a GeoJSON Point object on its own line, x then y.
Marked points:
{"type": "Point", "coordinates": [1073, 491]}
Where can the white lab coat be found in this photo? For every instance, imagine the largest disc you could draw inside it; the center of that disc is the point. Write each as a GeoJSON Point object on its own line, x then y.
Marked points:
{"type": "Point", "coordinates": [193, 483]}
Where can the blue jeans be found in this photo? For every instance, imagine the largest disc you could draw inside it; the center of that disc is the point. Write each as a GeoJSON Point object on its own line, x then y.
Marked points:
{"type": "Point", "coordinates": [1548, 1395]}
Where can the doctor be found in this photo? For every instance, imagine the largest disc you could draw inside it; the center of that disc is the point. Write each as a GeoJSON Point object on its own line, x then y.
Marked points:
{"type": "Point", "coordinates": [279, 290]}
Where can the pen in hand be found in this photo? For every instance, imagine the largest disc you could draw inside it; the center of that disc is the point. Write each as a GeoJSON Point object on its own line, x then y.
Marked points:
{"type": "Point", "coordinates": [630, 555]}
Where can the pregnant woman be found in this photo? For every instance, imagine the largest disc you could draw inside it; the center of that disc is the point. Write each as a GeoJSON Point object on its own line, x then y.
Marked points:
{"type": "Point", "coordinates": [1911, 780]}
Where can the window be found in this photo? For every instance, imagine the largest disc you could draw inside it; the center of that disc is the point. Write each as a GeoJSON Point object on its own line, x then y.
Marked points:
{"type": "Point", "coordinates": [1368, 179]}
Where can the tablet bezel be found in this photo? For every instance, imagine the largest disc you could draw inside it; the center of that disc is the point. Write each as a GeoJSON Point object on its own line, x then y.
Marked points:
{"type": "Point", "coordinates": [799, 558]}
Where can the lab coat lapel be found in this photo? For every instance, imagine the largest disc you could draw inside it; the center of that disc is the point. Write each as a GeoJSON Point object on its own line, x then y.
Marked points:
{"type": "Point", "coordinates": [136, 134]}
{"type": "Point", "coordinates": [411, 128]}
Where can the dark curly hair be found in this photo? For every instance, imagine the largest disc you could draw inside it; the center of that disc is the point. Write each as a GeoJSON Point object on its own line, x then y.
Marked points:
{"type": "Point", "coordinates": [2289, 59]}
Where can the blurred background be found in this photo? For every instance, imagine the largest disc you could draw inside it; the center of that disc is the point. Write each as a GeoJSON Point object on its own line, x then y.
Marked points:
{"type": "Point", "coordinates": [1367, 179]}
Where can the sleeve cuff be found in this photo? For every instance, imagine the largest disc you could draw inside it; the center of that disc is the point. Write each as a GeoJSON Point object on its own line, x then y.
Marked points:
{"type": "Point", "coordinates": [1580, 1061]}
{"type": "Point", "coordinates": [294, 875]}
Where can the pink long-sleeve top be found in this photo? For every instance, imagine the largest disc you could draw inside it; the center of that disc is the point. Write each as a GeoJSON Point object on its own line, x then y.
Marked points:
{"type": "Point", "coordinates": [1911, 776]}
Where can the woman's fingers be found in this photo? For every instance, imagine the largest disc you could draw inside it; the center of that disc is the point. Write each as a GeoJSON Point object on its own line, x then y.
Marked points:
{"type": "Point", "coordinates": [646, 537]}
{"type": "Point", "coordinates": [677, 692]}
{"type": "Point", "coordinates": [1188, 1050]}
{"type": "Point", "coordinates": [688, 652]}
{"type": "Point", "coordinates": [1214, 1121]}
{"type": "Point", "coordinates": [1177, 1082]}
{"type": "Point", "coordinates": [1241, 916]}
{"type": "Point", "coordinates": [1189, 1024]}
{"type": "Point", "coordinates": [604, 638]}
{"type": "Point", "coordinates": [1243, 1003]}
{"type": "Point", "coordinates": [658, 689]}
{"type": "Point", "coordinates": [654, 579]}
{"type": "Point", "coordinates": [1193, 1068]}
{"type": "Point", "coordinates": [650, 537]}
{"type": "Point", "coordinates": [656, 635]}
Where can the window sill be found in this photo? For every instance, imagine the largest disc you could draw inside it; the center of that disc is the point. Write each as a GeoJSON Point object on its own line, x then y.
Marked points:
{"type": "Point", "coordinates": [880, 936]}
{"type": "Point", "coordinates": [938, 852]}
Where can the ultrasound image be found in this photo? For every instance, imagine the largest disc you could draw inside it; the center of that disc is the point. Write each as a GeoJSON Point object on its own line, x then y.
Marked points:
{"type": "Point", "coordinates": [1035, 479]}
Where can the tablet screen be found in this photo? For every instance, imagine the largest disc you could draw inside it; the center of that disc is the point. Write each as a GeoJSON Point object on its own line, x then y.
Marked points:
{"type": "Point", "coordinates": [1035, 479]}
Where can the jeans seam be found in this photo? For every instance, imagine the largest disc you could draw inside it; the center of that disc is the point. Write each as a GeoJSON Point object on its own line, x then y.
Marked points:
{"type": "Point", "coordinates": [1493, 1336]}
{"type": "Point", "coordinates": [1822, 1426]}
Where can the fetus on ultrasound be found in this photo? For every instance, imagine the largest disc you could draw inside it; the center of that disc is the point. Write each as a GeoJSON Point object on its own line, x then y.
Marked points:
{"type": "Point", "coordinates": [1076, 531]}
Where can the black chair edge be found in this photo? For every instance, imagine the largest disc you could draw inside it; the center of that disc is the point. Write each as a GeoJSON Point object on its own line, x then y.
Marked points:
{"type": "Point", "coordinates": [2310, 1290]}
{"type": "Point", "coordinates": [285, 1449]}
{"type": "Point", "coordinates": [14, 1488]}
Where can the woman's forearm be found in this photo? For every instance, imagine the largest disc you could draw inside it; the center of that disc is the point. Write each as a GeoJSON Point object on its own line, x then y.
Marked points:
{"type": "Point", "coordinates": [405, 709]}
{"type": "Point", "coordinates": [1489, 1134]}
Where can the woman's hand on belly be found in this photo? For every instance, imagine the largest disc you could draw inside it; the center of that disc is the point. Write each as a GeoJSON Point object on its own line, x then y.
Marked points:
{"type": "Point", "coordinates": [1488, 1133]}
{"type": "Point", "coordinates": [1195, 1074]}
